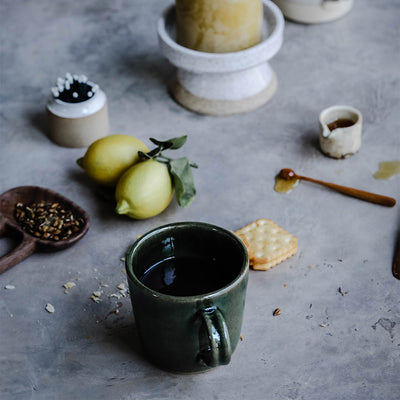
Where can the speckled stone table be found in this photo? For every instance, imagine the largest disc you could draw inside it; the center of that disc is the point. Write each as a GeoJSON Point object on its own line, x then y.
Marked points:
{"type": "Point", "coordinates": [338, 334]}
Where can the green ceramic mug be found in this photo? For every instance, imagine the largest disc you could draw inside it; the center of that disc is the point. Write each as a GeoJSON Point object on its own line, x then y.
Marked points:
{"type": "Point", "coordinates": [187, 283]}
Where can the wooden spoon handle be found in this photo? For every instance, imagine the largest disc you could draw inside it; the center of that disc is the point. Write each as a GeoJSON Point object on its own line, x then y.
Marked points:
{"type": "Point", "coordinates": [359, 194]}
{"type": "Point", "coordinates": [19, 253]}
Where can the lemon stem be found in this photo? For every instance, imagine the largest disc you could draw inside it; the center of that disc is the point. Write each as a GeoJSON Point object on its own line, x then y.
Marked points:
{"type": "Point", "coordinates": [178, 168]}
{"type": "Point", "coordinates": [159, 156]}
{"type": "Point", "coordinates": [122, 207]}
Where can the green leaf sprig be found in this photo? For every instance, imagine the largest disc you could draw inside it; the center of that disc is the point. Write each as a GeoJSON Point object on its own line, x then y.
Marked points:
{"type": "Point", "coordinates": [179, 168]}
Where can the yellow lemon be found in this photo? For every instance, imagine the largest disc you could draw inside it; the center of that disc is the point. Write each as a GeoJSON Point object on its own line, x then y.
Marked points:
{"type": "Point", "coordinates": [144, 190]}
{"type": "Point", "coordinates": [108, 158]}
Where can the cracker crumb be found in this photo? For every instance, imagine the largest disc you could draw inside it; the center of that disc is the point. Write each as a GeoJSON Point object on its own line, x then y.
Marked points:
{"type": "Point", "coordinates": [121, 286]}
{"type": "Point", "coordinates": [124, 292]}
{"type": "Point", "coordinates": [241, 338]}
{"type": "Point", "coordinates": [69, 285]}
{"type": "Point", "coordinates": [50, 308]}
{"type": "Point", "coordinates": [95, 299]}
{"type": "Point", "coordinates": [284, 285]}
{"type": "Point", "coordinates": [310, 266]}
{"type": "Point", "coordinates": [96, 296]}
{"type": "Point", "coordinates": [122, 259]}
{"type": "Point", "coordinates": [9, 287]}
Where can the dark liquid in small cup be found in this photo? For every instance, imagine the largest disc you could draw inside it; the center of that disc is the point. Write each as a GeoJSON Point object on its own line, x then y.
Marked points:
{"type": "Point", "coordinates": [188, 276]}
{"type": "Point", "coordinates": [340, 123]}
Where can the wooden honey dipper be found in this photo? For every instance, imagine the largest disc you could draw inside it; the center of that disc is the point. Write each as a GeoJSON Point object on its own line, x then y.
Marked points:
{"type": "Point", "coordinates": [289, 174]}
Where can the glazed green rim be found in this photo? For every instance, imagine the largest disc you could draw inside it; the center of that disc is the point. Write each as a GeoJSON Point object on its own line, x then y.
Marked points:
{"type": "Point", "coordinates": [131, 275]}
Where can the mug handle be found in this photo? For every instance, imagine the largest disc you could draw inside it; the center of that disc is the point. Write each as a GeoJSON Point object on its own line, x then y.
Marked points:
{"type": "Point", "coordinates": [219, 349]}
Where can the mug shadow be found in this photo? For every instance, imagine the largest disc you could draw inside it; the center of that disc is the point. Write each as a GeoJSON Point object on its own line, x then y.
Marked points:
{"type": "Point", "coordinates": [125, 337]}
{"type": "Point", "coordinates": [108, 328]}
{"type": "Point", "coordinates": [117, 329]}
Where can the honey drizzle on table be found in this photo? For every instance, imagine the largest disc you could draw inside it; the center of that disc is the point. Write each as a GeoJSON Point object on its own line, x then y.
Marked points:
{"type": "Point", "coordinates": [387, 169]}
{"type": "Point", "coordinates": [284, 185]}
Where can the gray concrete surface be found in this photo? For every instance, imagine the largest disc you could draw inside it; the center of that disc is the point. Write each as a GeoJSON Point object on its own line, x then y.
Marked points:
{"type": "Point", "coordinates": [324, 345]}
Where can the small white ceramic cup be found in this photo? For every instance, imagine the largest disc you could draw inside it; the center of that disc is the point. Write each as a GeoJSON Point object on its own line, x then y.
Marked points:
{"type": "Point", "coordinates": [314, 11]}
{"type": "Point", "coordinates": [78, 124]}
{"type": "Point", "coordinates": [340, 131]}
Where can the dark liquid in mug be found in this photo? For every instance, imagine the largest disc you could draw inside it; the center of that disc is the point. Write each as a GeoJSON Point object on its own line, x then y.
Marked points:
{"type": "Point", "coordinates": [340, 123]}
{"type": "Point", "coordinates": [188, 276]}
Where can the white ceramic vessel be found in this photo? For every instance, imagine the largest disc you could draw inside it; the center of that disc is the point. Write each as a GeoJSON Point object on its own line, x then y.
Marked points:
{"type": "Point", "coordinates": [314, 11]}
{"type": "Point", "coordinates": [223, 83]}
{"type": "Point", "coordinates": [78, 124]}
{"type": "Point", "coordinates": [340, 142]}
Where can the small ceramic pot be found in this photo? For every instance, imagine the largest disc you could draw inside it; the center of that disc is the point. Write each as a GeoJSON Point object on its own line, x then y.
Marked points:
{"type": "Point", "coordinates": [314, 11]}
{"type": "Point", "coordinates": [340, 131]}
{"type": "Point", "coordinates": [78, 124]}
{"type": "Point", "coordinates": [223, 83]}
{"type": "Point", "coordinates": [189, 333]}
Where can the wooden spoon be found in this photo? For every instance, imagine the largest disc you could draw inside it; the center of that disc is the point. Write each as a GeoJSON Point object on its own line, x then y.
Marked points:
{"type": "Point", "coordinates": [28, 243]}
{"type": "Point", "coordinates": [288, 174]}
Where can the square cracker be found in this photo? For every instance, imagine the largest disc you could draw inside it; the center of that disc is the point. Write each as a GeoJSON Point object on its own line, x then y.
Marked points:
{"type": "Point", "coordinates": [267, 243]}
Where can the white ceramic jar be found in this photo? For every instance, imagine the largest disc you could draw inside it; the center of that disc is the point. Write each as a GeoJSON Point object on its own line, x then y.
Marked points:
{"type": "Point", "coordinates": [75, 122]}
{"type": "Point", "coordinates": [340, 131]}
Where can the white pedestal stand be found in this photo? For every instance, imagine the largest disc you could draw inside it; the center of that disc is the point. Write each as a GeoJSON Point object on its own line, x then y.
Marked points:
{"type": "Point", "coordinates": [223, 83]}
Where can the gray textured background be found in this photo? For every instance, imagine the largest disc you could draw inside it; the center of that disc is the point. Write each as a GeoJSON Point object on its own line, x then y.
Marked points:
{"type": "Point", "coordinates": [83, 350]}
